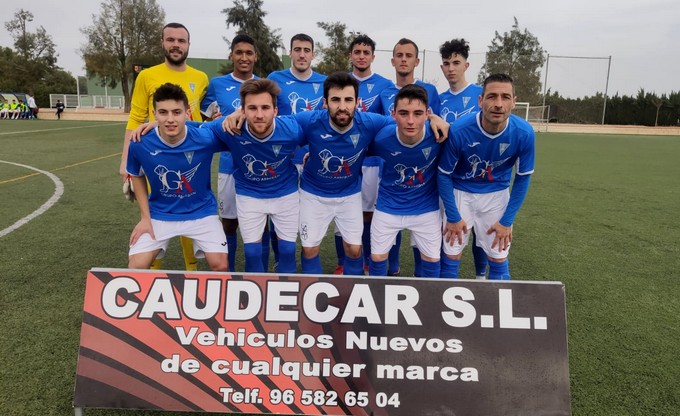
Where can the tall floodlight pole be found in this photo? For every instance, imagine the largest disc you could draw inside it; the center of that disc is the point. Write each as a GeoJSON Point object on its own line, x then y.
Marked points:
{"type": "Point", "coordinates": [606, 88]}
{"type": "Point", "coordinates": [545, 79]}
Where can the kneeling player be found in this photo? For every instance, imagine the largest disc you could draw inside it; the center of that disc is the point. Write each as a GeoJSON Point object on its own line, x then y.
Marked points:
{"type": "Point", "coordinates": [407, 196]}
{"type": "Point", "coordinates": [176, 161]}
{"type": "Point", "coordinates": [475, 174]}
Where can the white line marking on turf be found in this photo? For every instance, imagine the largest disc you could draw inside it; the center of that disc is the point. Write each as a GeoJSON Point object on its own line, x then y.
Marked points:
{"type": "Point", "coordinates": [58, 192]}
{"type": "Point", "coordinates": [61, 128]}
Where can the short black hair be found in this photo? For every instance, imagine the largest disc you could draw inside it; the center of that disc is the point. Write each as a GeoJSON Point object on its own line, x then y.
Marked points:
{"type": "Point", "coordinates": [340, 80]}
{"type": "Point", "coordinates": [455, 46]}
{"type": "Point", "coordinates": [499, 77]}
{"type": "Point", "coordinates": [303, 38]}
{"type": "Point", "coordinates": [362, 40]}
{"type": "Point", "coordinates": [176, 25]}
{"type": "Point", "coordinates": [242, 38]}
{"type": "Point", "coordinates": [405, 41]}
{"type": "Point", "coordinates": [412, 92]}
{"type": "Point", "coordinates": [170, 91]}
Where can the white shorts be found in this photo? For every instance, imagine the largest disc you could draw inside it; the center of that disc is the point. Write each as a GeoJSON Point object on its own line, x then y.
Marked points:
{"type": "Point", "coordinates": [317, 212]}
{"type": "Point", "coordinates": [426, 231]}
{"type": "Point", "coordinates": [226, 196]}
{"type": "Point", "coordinates": [480, 211]}
{"type": "Point", "coordinates": [206, 232]}
{"type": "Point", "coordinates": [252, 216]}
{"type": "Point", "coordinates": [369, 187]}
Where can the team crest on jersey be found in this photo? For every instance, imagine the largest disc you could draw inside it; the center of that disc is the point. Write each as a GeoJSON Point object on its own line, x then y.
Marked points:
{"type": "Point", "coordinates": [503, 147]}
{"type": "Point", "coordinates": [411, 176]}
{"type": "Point", "coordinates": [189, 156]}
{"type": "Point", "coordinates": [260, 170]}
{"type": "Point", "coordinates": [175, 180]}
{"type": "Point", "coordinates": [426, 152]}
{"type": "Point", "coordinates": [370, 87]}
{"type": "Point", "coordinates": [236, 104]}
{"type": "Point", "coordinates": [336, 165]}
{"type": "Point", "coordinates": [482, 169]}
{"type": "Point", "coordinates": [316, 87]}
{"type": "Point", "coordinates": [192, 87]}
{"type": "Point", "coordinates": [466, 100]}
{"type": "Point", "coordinates": [355, 139]}
{"type": "Point", "coordinates": [276, 148]}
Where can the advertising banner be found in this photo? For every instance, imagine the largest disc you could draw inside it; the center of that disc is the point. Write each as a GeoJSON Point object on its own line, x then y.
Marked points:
{"type": "Point", "coordinates": [321, 345]}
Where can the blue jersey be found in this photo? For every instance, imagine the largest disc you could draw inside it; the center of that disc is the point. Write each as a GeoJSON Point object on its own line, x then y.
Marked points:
{"type": "Point", "coordinates": [454, 105]}
{"type": "Point", "coordinates": [178, 175]}
{"type": "Point", "coordinates": [334, 165]}
{"type": "Point", "coordinates": [264, 167]}
{"type": "Point", "coordinates": [298, 95]}
{"type": "Point", "coordinates": [409, 178]}
{"type": "Point", "coordinates": [389, 94]}
{"type": "Point", "coordinates": [225, 91]}
{"type": "Point", "coordinates": [369, 92]}
{"type": "Point", "coordinates": [479, 162]}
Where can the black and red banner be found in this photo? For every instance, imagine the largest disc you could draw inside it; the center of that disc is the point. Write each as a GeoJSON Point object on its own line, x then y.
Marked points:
{"type": "Point", "coordinates": [321, 345]}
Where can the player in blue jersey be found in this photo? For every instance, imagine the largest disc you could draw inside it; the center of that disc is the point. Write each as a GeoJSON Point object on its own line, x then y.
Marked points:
{"type": "Point", "coordinates": [405, 60]}
{"type": "Point", "coordinates": [266, 179]}
{"type": "Point", "coordinates": [222, 98]}
{"type": "Point", "coordinates": [301, 87]}
{"type": "Point", "coordinates": [462, 98]}
{"type": "Point", "coordinates": [176, 161]}
{"type": "Point", "coordinates": [361, 56]}
{"type": "Point", "coordinates": [408, 196]}
{"type": "Point", "coordinates": [475, 174]}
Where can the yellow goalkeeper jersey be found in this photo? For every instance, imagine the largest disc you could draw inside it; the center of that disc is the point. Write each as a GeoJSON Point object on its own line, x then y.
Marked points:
{"type": "Point", "coordinates": [192, 81]}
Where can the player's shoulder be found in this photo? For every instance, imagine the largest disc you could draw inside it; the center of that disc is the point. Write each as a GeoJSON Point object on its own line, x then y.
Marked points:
{"type": "Point", "coordinates": [466, 121]}
{"type": "Point", "coordinates": [196, 73]}
{"type": "Point", "coordinates": [521, 125]}
{"type": "Point", "coordinates": [317, 77]}
{"type": "Point", "coordinates": [281, 74]}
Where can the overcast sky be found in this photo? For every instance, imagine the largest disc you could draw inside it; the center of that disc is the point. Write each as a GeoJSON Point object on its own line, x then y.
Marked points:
{"type": "Point", "coordinates": [640, 36]}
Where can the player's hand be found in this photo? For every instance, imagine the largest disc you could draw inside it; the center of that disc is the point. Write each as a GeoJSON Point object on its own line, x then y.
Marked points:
{"type": "Point", "coordinates": [128, 189]}
{"type": "Point", "coordinates": [142, 227]}
{"type": "Point", "coordinates": [136, 135]}
{"type": "Point", "coordinates": [233, 122]}
{"type": "Point", "coordinates": [439, 127]}
{"type": "Point", "coordinates": [503, 236]}
{"type": "Point", "coordinates": [216, 115]}
{"type": "Point", "coordinates": [453, 231]}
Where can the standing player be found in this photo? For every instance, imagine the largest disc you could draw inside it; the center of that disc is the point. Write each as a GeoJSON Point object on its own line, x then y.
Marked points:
{"type": "Point", "coordinates": [361, 56]}
{"type": "Point", "coordinates": [301, 90]}
{"type": "Point", "coordinates": [408, 196]}
{"type": "Point", "coordinates": [405, 60]}
{"type": "Point", "coordinates": [266, 179]}
{"type": "Point", "coordinates": [181, 201]}
{"type": "Point", "coordinates": [475, 173]}
{"type": "Point", "coordinates": [462, 98]}
{"type": "Point", "coordinates": [175, 42]}
{"type": "Point", "coordinates": [222, 98]}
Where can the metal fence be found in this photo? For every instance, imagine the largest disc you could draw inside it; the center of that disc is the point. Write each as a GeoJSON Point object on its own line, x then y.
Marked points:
{"type": "Point", "coordinates": [88, 101]}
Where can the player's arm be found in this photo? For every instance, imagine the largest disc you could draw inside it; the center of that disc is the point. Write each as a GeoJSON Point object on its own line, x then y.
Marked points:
{"type": "Point", "coordinates": [455, 226]}
{"type": "Point", "coordinates": [144, 224]}
{"type": "Point", "coordinates": [503, 228]}
{"type": "Point", "coordinates": [139, 112]}
{"type": "Point", "coordinates": [440, 128]}
{"type": "Point", "coordinates": [233, 122]}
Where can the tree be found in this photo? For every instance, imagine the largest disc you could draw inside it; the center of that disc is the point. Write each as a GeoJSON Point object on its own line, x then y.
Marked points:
{"type": "Point", "coordinates": [248, 17]}
{"type": "Point", "coordinates": [518, 54]}
{"type": "Point", "coordinates": [34, 57]}
{"type": "Point", "coordinates": [335, 56]}
{"type": "Point", "coordinates": [126, 32]}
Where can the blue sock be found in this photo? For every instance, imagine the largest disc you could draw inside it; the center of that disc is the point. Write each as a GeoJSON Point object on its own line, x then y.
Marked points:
{"type": "Point", "coordinates": [311, 266]}
{"type": "Point", "coordinates": [339, 250]}
{"type": "Point", "coordinates": [479, 255]}
{"type": "Point", "coordinates": [354, 267]}
{"type": "Point", "coordinates": [232, 243]}
{"type": "Point", "coordinates": [378, 268]}
{"type": "Point", "coordinates": [449, 268]}
{"type": "Point", "coordinates": [393, 259]}
{"type": "Point", "coordinates": [417, 263]}
{"type": "Point", "coordinates": [286, 262]}
{"type": "Point", "coordinates": [499, 271]}
{"type": "Point", "coordinates": [366, 242]}
{"type": "Point", "coordinates": [265, 250]}
{"type": "Point", "coordinates": [431, 268]}
{"type": "Point", "coordinates": [274, 239]}
{"type": "Point", "coordinates": [253, 252]}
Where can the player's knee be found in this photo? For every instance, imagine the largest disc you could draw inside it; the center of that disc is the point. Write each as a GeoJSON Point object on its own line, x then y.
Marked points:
{"type": "Point", "coordinates": [229, 225]}
{"type": "Point", "coordinates": [310, 252]}
{"type": "Point", "coordinates": [353, 251]}
{"type": "Point", "coordinates": [497, 260]}
{"type": "Point", "coordinates": [455, 256]}
{"type": "Point", "coordinates": [219, 265]}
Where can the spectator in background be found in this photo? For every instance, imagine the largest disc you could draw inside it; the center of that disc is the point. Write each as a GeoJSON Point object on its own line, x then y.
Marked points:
{"type": "Point", "coordinates": [33, 107]}
{"type": "Point", "coordinates": [60, 109]}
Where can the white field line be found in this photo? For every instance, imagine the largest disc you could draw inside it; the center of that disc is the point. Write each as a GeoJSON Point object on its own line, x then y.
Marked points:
{"type": "Point", "coordinates": [60, 128]}
{"type": "Point", "coordinates": [58, 192]}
